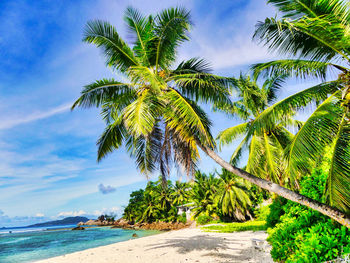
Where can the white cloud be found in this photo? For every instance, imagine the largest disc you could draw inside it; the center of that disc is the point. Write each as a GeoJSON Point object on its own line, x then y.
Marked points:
{"type": "Point", "coordinates": [39, 215]}
{"type": "Point", "coordinates": [72, 213]}
{"type": "Point", "coordinates": [14, 121]}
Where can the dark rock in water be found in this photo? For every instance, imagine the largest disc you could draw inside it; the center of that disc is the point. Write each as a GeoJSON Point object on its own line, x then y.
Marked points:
{"type": "Point", "coordinates": [135, 235]}
{"type": "Point", "coordinates": [78, 228]}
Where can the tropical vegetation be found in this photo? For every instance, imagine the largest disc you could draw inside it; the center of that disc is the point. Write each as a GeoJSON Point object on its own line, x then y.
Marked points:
{"type": "Point", "coordinates": [156, 114]}
{"type": "Point", "coordinates": [300, 234]}
{"type": "Point", "coordinates": [221, 196]}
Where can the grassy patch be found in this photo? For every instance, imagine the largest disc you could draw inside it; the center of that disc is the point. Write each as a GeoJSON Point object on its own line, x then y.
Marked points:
{"type": "Point", "coordinates": [236, 227]}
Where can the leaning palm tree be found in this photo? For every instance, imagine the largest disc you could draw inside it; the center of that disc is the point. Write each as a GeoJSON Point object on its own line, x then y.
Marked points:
{"type": "Point", "coordinates": [155, 112]}
{"type": "Point", "coordinates": [266, 146]}
{"type": "Point", "coordinates": [315, 36]}
{"type": "Point", "coordinates": [234, 200]}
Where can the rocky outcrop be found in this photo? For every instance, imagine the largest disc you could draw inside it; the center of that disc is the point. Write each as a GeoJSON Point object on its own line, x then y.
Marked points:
{"type": "Point", "coordinates": [122, 223]}
{"type": "Point", "coordinates": [162, 226]}
{"type": "Point", "coordinates": [94, 223]}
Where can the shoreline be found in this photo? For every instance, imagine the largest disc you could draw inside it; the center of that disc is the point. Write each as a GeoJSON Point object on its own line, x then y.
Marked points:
{"type": "Point", "coordinates": [176, 246]}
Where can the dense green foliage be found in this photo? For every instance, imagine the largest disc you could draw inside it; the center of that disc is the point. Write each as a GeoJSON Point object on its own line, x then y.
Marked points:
{"type": "Point", "coordinates": [301, 234]}
{"type": "Point", "coordinates": [235, 227]}
{"type": "Point", "coordinates": [220, 195]}
{"type": "Point", "coordinates": [157, 202]}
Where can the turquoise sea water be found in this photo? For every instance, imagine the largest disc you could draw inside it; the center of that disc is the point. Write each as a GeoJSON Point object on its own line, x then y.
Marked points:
{"type": "Point", "coordinates": [32, 244]}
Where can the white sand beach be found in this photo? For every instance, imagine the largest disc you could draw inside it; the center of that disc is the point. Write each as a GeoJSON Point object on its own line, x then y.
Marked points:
{"type": "Point", "coordinates": [186, 245]}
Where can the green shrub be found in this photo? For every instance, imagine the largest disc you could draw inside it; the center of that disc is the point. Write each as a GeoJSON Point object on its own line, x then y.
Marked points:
{"type": "Point", "coordinates": [182, 218]}
{"type": "Point", "coordinates": [203, 219]}
{"type": "Point", "coordinates": [236, 227]}
{"type": "Point", "coordinates": [305, 235]}
{"type": "Point", "coordinates": [276, 211]}
{"type": "Point", "coordinates": [258, 195]}
{"type": "Point", "coordinates": [262, 213]}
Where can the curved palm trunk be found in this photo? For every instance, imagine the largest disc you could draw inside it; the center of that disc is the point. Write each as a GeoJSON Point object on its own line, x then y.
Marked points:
{"type": "Point", "coordinates": [333, 213]}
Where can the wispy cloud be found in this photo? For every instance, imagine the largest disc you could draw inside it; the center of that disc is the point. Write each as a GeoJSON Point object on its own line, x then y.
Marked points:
{"type": "Point", "coordinates": [15, 121]}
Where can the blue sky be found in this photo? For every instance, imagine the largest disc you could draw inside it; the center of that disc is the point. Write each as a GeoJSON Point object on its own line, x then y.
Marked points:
{"type": "Point", "coordinates": [48, 166]}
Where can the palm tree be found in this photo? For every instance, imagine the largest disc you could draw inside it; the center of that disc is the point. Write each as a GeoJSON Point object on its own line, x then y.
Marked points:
{"type": "Point", "coordinates": [266, 146]}
{"type": "Point", "coordinates": [163, 194]}
{"type": "Point", "coordinates": [180, 193]}
{"type": "Point", "coordinates": [315, 36]}
{"type": "Point", "coordinates": [234, 200]}
{"type": "Point", "coordinates": [204, 194]}
{"type": "Point", "coordinates": [150, 208]}
{"type": "Point", "coordinates": [133, 211]}
{"type": "Point", "coordinates": [155, 113]}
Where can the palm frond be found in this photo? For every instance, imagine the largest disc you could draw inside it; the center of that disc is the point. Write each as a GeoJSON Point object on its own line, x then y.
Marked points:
{"type": "Point", "coordinates": [237, 154]}
{"type": "Point", "coordinates": [101, 91]}
{"type": "Point", "coordinates": [281, 110]}
{"type": "Point", "coordinates": [146, 150]}
{"type": "Point", "coordinates": [316, 133]}
{"type": "Point", "coordinates": [141, 31]}
{"type": "Point", "coordinates": [272, 85]}
{"type": "Point", "coordinates": [172, 27]}
{"type": "Point", "coordinates": [193, 65]}
{"type": "Point", "coordinates": [187, 118]}
{"type": "Point", "coordinates": [186, 153]}
{"type": "Point", "coordinates": [295, 68]}
{"type": "Point", "coordinates": [230, 134]}
{"type": "Point", "coordinates": [111, 138]}
{"type": "Point", "coordinates": [118, 54]}
{"type": "Point", "coordinates": [141, 115]}
{"type": "Point", "coordinates": [312, 8]}
{"type": "Point", "coordinates": [302, 38]}
{"type": "Point", "coordinates": [338, 182]}
{"type": "Point", "coordinates": [203, 87]}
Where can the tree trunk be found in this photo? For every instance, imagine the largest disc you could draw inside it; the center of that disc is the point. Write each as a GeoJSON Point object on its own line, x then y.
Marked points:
{"type": "Point", "coordinates": [333, 213]}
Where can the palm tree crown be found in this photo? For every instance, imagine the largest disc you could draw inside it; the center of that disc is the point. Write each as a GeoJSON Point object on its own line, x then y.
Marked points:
{"type": "Point", "coordinates": [155, 113]}
{"type": "Point", "coordinates": [266, 146]}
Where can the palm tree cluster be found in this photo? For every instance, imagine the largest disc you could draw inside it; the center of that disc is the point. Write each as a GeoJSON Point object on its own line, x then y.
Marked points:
{"type": "Point", "coordinates": [220, 195]}
{"type": "Point", "coordinates": [157, 202]}
{"type": "Point", "coordinates": [155, 113]}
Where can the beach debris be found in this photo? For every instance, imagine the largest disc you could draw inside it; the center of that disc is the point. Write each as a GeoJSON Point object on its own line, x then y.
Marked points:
{"type": "Point", "coordinates": [258, 243]}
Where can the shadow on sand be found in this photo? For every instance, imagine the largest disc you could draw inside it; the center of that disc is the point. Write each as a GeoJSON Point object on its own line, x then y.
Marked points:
{"type": "Point", "coordinates": [214, 246]}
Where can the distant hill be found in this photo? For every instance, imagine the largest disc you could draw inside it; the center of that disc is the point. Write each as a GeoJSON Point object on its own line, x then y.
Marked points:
{"type": "Point", "coordinates": [66, 221]}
